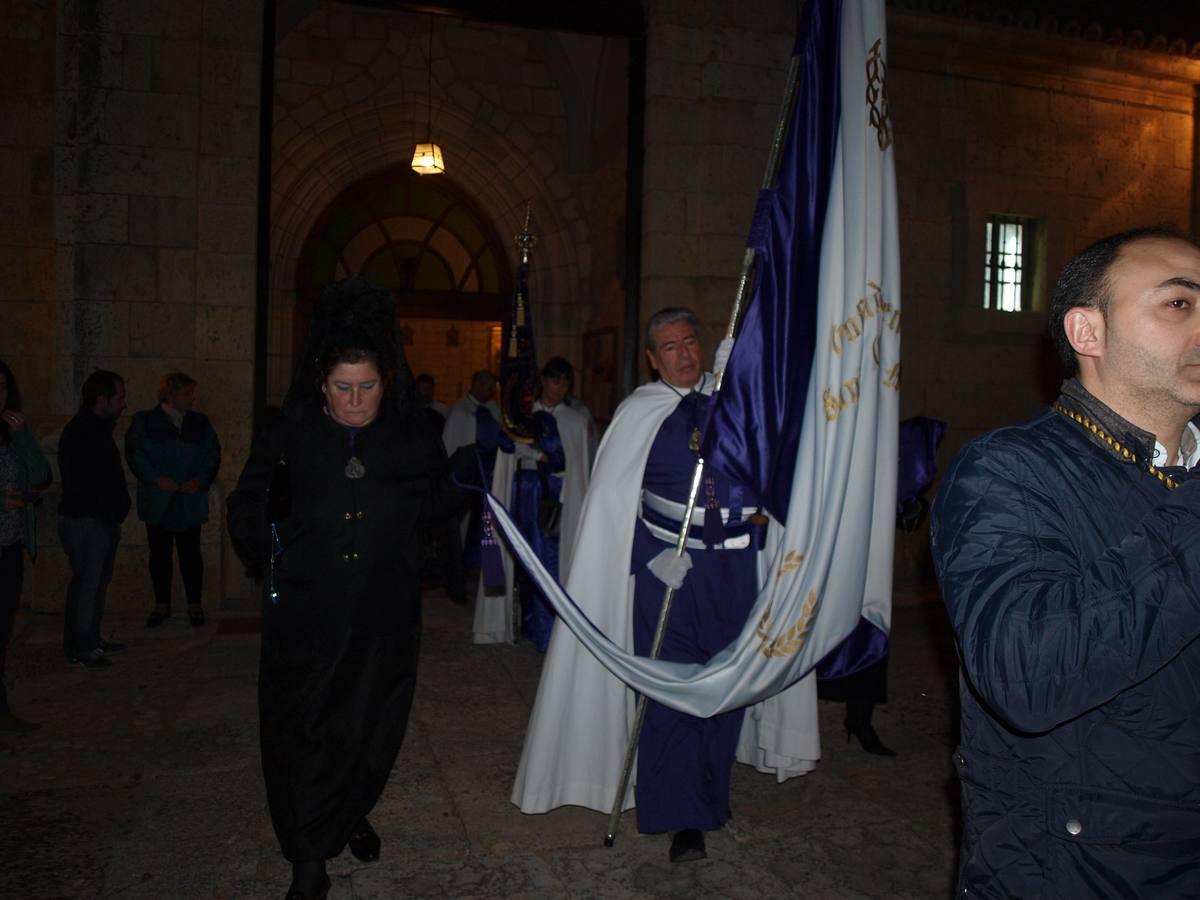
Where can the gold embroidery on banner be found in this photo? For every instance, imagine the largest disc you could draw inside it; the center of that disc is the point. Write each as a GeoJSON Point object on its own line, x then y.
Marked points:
{"type": "Point", "coordinates": [791, 562]}
{"type": "Point", "coordinates": [846, 397]}
{"type": "Point", "coordinates": [877, 98]}
{"type": "Point", "coordinates": [789, 642]}
{"type": "Point", "coordinates": [873, 305]}
{"type": "Point", "coordinates": [893, 378]}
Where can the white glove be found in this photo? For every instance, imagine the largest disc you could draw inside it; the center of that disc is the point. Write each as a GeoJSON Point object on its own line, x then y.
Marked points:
{"type": "Point", "coordinates": [527, 452]}
{"type": "Point", "coordinates": [669, 568]}
{"type": "Point", "coordinates": [722, 358]}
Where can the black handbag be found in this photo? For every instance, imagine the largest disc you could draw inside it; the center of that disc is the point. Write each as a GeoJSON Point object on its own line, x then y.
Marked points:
{"type": "Point", "coordinates": [549, 514]}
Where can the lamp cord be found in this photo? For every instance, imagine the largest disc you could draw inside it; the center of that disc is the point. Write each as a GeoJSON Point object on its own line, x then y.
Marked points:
{"type": "Point", "coordinates": [429, 86]}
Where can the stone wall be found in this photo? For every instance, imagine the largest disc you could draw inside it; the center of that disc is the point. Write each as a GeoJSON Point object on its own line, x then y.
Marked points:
{"type": "Point", "coordinates": [715, 78]}
{"type": "Point", "coordinates": [1090, 138]}
{"type": "Point", "coordinates": [155, 178]}
{"type": "Point", "coordinates": [27, 313]}
{"type": "Point", "coordinates": [511, 109]}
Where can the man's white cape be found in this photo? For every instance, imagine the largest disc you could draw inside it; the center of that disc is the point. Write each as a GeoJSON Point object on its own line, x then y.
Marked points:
{"type": "Point", "coordinates": [494, 615]}
{"type": "Point", "coordinates": [459, 430]}
{"type": "Point", "coordinates": [583, 716]}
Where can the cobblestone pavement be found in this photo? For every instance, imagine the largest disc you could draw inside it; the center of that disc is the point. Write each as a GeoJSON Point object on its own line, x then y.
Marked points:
{"type": "Point", "coordinates": [144, 782]}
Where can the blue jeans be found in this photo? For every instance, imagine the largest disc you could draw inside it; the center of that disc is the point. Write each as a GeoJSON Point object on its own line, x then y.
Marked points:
{"type": "Point", "coordinates": [91, 546]}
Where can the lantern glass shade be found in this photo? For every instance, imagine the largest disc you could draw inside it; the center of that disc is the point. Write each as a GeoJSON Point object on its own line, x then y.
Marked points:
{"type": "Point", "coordinates": [427, 160]}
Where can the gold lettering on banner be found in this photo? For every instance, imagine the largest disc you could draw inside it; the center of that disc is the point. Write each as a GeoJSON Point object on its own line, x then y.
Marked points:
{"type": "Point", "coordinates": [874, 313]}
{"type": "Point", "coordinates": [892, 379]}
{"type": "Point", "coordinates": [791, 562]}
{"type": "Point", "coordinates": [877, 95]}
{"type": "Point", "coordinates": [866, 309]}
{"type": "Point", "coordinates": [790, 641]}
{"type": "Point", "coordinates": [846, 396]}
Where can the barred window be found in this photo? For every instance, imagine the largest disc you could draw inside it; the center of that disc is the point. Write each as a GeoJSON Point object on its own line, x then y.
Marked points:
{"type": "Point", "coordinates": [1009, 266]}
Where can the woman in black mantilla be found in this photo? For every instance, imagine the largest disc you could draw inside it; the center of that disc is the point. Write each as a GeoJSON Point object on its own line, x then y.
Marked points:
{"type": "Point", "coordinates": [331, 501]}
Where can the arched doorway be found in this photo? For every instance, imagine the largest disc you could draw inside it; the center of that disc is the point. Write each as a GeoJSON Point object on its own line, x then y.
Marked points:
{"type": "Point", "coordinates": [428, 241]}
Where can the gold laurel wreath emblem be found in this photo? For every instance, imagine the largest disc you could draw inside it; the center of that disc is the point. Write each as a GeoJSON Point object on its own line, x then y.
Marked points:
{"type": "Point", "coordinates": [793, 639]}
{"type": "Point", "coordinates": [877, 97]}
{"type": "Point", "coordinates": [791, 562]}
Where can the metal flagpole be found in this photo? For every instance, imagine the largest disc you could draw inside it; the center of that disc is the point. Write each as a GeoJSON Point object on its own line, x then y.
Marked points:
{"type": "Point", "coordinates": [520, 348]}
{"type": "Point", "coordinates": [748, 260]}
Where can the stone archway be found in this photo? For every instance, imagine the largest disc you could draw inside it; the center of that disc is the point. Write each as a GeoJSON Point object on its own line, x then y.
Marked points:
{"type": "Point", "coordinates": [426, 240]}
{"type": "Point", "coordinates": [365, 118]}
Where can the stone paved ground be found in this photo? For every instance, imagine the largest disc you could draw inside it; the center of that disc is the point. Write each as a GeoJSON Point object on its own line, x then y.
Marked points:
{"type": "Point", "coordinates": [144, 782]}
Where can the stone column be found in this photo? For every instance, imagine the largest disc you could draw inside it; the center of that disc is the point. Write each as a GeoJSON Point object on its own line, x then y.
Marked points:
{"type": "Point", "coordinates": [154, 203]}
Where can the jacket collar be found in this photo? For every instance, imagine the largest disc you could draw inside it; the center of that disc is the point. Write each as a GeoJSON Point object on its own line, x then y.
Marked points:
{"type": "Point", "coordinates": [1075, 397]}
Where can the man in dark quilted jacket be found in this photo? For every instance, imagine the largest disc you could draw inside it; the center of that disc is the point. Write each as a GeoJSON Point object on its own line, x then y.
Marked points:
{"type": "Point", "coordinates": [1068, 551]}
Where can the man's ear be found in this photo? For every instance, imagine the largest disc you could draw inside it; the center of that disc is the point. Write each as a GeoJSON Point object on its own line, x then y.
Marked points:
{"type": "Point", "coordinates": [650, 361]}
{"type": "Point", "coordinates": [1084, 326]}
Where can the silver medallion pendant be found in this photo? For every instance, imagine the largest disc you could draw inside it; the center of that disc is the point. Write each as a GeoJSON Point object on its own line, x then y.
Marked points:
{"type": "Point", "coordinates": [355, 468]}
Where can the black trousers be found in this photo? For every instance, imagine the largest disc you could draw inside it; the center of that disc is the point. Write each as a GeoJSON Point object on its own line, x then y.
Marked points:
{"type": "Point", "coordinates": [191, 566]}
{"type": "Point", "coordinates": [12, 569]}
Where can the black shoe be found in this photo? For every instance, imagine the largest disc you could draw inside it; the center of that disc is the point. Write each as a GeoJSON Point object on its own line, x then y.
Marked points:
{"type": "Point", "coordinates": [688, 846]}
{"type": "Point", "coordinates": [869, 739]}
{"type": "Point", "coordinates": [107, 647]}
{"type": "Point", "coordinates": [195, 614]}
{"type": "Point", "coordinates": [157, 617]}
{"type": "Point", "coordinates": [364, 842]}
{"type": "Point", "coordinates": [93, 659]}
{"type": "Point", "coordinates": [320, 893]}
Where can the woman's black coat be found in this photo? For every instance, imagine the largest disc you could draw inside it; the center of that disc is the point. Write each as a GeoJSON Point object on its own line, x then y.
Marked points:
{"type": "Point", "coordinates": [340, 640]}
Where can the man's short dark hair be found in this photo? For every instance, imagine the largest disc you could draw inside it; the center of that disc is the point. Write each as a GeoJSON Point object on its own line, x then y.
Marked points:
{"type": "Point", "coordinates": [666, 317]}
{"type": "Point", "coordinates": [483, 376]}
{"type": "Point", "coordinates": [558, 367]}
{"type": "Point", "coordinates": [101, 383]}
{"type": "Point", "coordinates": [1084, 282]}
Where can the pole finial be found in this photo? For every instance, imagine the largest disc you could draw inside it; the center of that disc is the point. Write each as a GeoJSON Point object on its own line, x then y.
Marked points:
{"type": "Point", "coordinates": [526, 240]}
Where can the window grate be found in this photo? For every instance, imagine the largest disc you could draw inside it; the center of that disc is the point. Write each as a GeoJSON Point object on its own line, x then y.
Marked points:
{"type": "Point", "coordinates": [1008, 263]}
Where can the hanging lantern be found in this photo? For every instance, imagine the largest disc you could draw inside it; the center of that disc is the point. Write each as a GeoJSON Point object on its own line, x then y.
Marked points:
{"type": "Point", "coordinates": [427, 160]}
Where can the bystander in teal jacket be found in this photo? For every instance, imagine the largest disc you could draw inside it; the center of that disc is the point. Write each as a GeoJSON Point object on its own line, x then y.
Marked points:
{"type": "Point", "coordinates": [34, 475]}
{"type": "Point", "coordinates": [155, 447]}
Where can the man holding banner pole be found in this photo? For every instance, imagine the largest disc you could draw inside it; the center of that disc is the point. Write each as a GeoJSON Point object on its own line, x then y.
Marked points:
{"type": "Point", "coordinates": [685, 762]}
{"type": "Point", "coordinates": [805, 421]}
{"type": "Point", "coordinates": [630, 525]}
